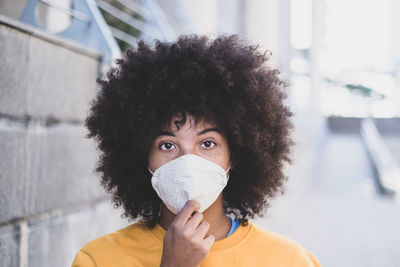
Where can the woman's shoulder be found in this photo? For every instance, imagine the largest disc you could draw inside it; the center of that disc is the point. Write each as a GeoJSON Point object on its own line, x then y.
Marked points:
{"type": "Point", "coordinates": [281, 246]}
{"type": "Point", "coordinates": [107, 249]}
{"type": "Point", "coordinates": [131, 235]}
{"type": "Point", "coordinates": [272, 237]}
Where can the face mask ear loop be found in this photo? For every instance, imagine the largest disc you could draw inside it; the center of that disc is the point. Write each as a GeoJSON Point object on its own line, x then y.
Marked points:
{"type": "Point", "coordinates": [227, 171]}
{"type": "Point", "coordinates": [150, 170]}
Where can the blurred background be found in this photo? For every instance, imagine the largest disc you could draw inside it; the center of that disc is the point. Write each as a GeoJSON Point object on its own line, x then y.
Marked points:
{"type": "Point", "coordinates": [343, 66]}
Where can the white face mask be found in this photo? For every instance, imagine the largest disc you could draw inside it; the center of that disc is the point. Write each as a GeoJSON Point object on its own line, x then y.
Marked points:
{"type": "Point", "coordinates": [189, 177]}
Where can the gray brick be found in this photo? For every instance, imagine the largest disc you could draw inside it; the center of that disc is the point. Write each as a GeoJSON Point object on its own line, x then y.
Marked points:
{"type": "Point", "coordinates": [64, 85]}
{"type": "Point", "coordinates": [45, 168]}
{"type": "Point", "coordinates": [55, 241]}
{"type": "Point", "coordinates": [49, 242]}
{"type": "Point", "coordinates": [44, 79]}
{"type": "Point", "coordinates": [9, 245]}
{"type": "Point", "coordinates": [62, 162]}
{"type": "Point", "coordinates": [12, 170]}
{"type": "Point", "coordinates": [14, 58]}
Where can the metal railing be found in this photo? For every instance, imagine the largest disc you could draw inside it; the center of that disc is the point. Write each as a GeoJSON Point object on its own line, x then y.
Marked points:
{"type": "Point", "coordinates": [386, 167]}
{"type": "Point", "coordinates": [88, 26]}
{"type": "Point", "coordinates": [149, 18]}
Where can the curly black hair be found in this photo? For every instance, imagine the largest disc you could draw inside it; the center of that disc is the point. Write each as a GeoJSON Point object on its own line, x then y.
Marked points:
{"type": "Point", "coordinates": [224, 80]}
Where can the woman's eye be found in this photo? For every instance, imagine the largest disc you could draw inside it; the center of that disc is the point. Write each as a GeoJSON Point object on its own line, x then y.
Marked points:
{"type": "Point", "coordinates": [167, 146]}
{"type": "Point", "coordinates": [208, 144]}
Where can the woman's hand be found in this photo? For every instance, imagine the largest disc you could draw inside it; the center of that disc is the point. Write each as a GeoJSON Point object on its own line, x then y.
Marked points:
{"type": "Point", "coordinates": [185, 243]}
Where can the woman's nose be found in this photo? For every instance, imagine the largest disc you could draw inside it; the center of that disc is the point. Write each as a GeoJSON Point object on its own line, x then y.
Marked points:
{"type": "Point", "coordinates": [187, 150]}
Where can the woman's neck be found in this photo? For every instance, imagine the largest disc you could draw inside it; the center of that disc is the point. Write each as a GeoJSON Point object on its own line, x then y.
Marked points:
{"type": "Point", "coordinates": [215, 215]}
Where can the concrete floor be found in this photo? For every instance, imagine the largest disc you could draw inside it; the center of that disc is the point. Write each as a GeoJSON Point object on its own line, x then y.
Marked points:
{"type": "Point", "coordinates": [338, 213]}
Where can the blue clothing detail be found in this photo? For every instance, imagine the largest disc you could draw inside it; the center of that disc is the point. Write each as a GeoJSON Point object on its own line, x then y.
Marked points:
{"type": "Point", "coordinates": [235, 225]}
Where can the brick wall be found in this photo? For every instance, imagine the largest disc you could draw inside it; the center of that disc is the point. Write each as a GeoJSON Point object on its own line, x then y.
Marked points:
{"type": "Point", "coordinates": [51, 202]}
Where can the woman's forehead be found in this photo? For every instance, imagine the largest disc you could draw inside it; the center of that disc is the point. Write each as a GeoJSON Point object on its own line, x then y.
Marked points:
{"type": "Point", "coordinates": [178, 122]}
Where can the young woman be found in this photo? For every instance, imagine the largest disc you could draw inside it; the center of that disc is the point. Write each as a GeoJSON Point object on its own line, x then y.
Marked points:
{"type": "Point", "coordinates": [193, 135]}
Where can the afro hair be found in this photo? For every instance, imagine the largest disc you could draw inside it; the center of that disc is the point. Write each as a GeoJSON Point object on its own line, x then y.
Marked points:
{"type": "Point", "coordinates": [225, 80]}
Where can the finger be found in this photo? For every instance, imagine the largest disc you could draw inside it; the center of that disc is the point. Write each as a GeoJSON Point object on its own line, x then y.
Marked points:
{"type": "Point", "coordinates": [183, 216]}
{"type": "Point", "coordinates": [209, 241]}
{"type": "Point", "coordinates": [202, 230]}
{"type": "Point", "coordinates": [195, 220]}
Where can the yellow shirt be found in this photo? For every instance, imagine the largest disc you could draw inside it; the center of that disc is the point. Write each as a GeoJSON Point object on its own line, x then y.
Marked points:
{"type": "Point", "coordinates": [249, 246]}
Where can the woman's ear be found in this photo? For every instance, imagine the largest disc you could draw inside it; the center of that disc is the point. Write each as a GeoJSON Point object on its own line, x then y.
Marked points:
{"type": "Point", "coordinates": [230, 169]}
{"type": "Point", "coordinates": [231, 166]}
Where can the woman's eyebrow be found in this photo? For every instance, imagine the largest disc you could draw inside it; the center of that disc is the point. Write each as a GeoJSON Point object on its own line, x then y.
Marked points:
{"type": "Point", "coordinates": [167, 133]}
{"type": "Point", "coordinates": [209, 130]}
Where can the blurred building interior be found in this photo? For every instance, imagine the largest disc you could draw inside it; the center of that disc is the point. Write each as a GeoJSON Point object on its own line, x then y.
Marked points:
{"type": "Point", "coordinates": [341, 61]}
